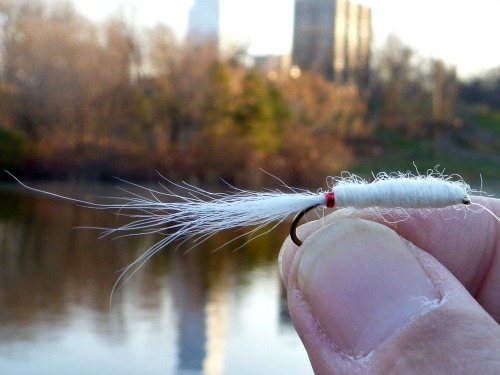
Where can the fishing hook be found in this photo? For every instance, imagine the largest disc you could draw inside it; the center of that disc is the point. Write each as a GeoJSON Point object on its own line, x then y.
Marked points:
{"type": "Point", "coordinates": [293, 229]}
{"type": "Point", "coordinates": [295, 222]}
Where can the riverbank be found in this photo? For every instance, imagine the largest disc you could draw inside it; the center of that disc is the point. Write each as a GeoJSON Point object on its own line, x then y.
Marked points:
{"type": "Point", "coordinates": [472, 149]}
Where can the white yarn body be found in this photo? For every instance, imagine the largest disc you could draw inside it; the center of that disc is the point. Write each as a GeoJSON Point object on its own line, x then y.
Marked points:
{"type": "Point", "coordinates": [419, 192]}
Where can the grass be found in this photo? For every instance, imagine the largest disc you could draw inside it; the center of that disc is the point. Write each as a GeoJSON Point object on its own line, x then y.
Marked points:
{"type": "Point", "coordinates": [482, 117]}
{"type": "Point", "coordinates": [476, 158]}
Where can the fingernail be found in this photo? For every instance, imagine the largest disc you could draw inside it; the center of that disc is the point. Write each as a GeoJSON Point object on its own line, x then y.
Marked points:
{"type": "Point", "coordinates": [362, 284]}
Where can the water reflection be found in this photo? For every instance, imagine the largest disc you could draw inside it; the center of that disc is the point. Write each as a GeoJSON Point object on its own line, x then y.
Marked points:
{"type": "Point", "coordinates": [195, 313]}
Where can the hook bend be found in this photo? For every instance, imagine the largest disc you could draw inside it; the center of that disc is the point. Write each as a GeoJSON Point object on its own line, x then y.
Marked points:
{"type": "Point", "coordinates": [295, 223]}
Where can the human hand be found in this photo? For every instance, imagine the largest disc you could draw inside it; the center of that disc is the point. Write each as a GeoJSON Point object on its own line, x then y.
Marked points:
{"type": "Point", "coordinates": [365, 301]}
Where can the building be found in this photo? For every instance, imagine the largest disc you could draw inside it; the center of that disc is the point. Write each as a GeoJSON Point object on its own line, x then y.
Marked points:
{"type": "Point", "coordinates": [274, 66]}
{"type": "Point", "coordinates": [210, 21]}
{"type": "Point", "coordinates": [204, 21]}
{"type": "Point", "coordinates": [332, 37]}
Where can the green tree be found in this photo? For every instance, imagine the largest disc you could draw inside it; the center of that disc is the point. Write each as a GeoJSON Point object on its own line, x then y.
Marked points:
{"type": "Point", "coordinates": [260, 112]}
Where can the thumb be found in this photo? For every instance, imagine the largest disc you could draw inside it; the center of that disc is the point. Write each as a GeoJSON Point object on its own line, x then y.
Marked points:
{"type": "Point", "coordinates": [363, 300]}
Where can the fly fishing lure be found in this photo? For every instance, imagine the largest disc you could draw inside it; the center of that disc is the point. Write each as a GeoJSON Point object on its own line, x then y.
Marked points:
{"type": "Point", "coordinates": [402, 191]}
{"type": "Point", "coordinates": [199, 214]}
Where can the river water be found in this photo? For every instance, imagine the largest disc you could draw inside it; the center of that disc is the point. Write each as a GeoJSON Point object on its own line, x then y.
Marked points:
{"type": "Point", "coordinates": [200, 312]}
{"type": "Point", "coordinates": [195, 312]}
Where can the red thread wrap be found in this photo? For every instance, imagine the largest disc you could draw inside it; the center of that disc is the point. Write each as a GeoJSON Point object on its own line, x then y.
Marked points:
{"type": "Point", "coordinates": [330, 199]}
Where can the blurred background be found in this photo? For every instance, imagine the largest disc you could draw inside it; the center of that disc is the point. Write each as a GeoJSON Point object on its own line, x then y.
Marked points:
{"type": "Point", "coordinates": [200, 91]}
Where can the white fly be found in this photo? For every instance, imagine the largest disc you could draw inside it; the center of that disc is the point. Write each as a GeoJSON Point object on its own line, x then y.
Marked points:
{"type": "Point", "coordinates": [200, 214]}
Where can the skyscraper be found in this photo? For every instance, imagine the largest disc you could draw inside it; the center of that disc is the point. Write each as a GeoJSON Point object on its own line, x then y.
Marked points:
{"type": "Point", "coordinates": [204, 21]}
{"type": "Point", "coordinates": [332, 37]}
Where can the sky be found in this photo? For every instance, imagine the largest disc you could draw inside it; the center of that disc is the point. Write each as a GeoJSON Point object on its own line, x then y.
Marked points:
{"type": "Point", "coordinates": [463, 33]}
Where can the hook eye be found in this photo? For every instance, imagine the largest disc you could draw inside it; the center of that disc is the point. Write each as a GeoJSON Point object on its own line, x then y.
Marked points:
{"type": "Point", "coordinates": [295, 223]}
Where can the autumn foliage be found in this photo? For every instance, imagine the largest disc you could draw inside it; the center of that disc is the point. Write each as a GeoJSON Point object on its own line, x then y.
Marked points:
{"type": "Point", "coordinates": [86, 100]}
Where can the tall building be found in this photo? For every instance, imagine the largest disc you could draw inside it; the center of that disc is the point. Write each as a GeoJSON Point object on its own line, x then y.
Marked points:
{"type": "Point", "coordinates": [332, 37]}
{"type": "Point", "coordinates": [211, 21]}
{"type": "Point", "coordinates": [204, 20]}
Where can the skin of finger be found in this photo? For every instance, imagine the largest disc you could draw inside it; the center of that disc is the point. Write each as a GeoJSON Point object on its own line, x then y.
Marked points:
{"type": "Point", "coordinates": [442, 333]}
{"type": "Point", "coordinates": [450, 236]}
{"type": "Point", "coordinates": [325, 358]}
{"type": "Point", "coordinates": [457, 337]}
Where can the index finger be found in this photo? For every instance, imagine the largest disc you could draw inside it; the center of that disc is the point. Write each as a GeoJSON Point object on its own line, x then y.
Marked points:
{"type": "Point", "coordinates": [466, 243]}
